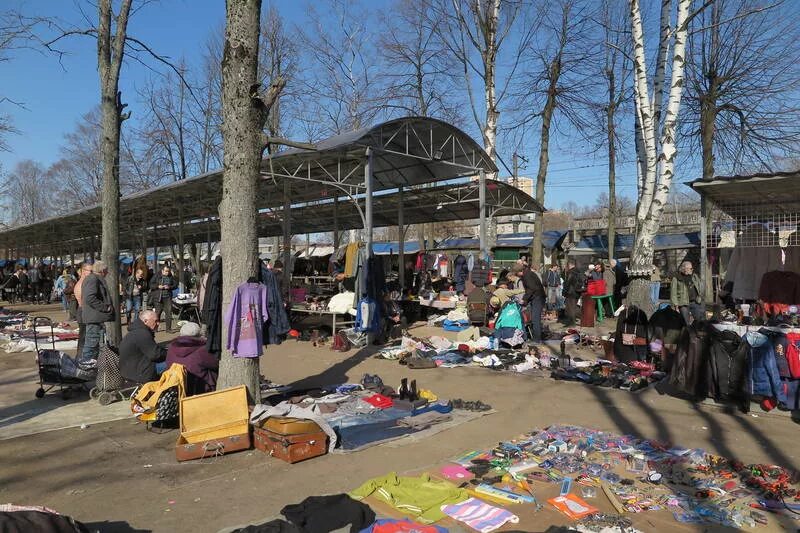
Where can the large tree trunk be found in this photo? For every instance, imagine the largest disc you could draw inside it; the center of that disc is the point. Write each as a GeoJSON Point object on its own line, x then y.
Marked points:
{"type": "Point", "coordinates": [612, 164]}
{"type": "Point", "coordinates": [657, 185]}
{"type": "Point", "coordinates": [110, 51]}
{"type": "Point", "coordinates": [544, 159]}
{"type": "Point", "coordinates": [241, 131]}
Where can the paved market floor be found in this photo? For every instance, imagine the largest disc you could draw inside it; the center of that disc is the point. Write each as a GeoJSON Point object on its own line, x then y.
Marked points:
{"type": "Point", "coordinates": [116, 476]}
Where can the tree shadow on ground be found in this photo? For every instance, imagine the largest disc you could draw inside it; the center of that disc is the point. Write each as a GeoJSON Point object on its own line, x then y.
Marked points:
{"type": "Point", "coordinates": [664, 436]}
{"type": "Point", "coordinates": [53, 400]}
{"type": "Point", "coordinates": [337, 373]}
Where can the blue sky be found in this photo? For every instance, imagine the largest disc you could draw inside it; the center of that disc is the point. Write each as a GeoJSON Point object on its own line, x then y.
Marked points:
{"type": "Point", "coordinates": [54, 97]}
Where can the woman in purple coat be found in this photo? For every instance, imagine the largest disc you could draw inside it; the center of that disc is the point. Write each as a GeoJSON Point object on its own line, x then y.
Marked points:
{"type": "Point", "coordinates": [190, 351]}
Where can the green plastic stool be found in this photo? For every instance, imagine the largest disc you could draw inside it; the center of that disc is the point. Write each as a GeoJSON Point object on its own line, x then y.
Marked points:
{"type": "Point", "coordinates": [598, 303]}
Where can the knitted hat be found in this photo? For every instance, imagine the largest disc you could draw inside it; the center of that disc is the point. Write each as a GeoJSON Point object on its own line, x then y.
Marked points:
{"type": "Point", "coordinates": [190, 329]}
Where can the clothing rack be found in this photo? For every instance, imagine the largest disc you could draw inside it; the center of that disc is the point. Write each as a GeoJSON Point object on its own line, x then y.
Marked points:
{"type": "Point", "coordinates": [743, 329]}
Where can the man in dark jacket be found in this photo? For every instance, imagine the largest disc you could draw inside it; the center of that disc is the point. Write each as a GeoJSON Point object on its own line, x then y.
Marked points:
{"type": "Point", "coordinates": [140, 357]}
{"type": "Point", "coordinates": [97, 308]}
{"type": "Point", "coordinates": [574, 283]}
{"type": "Point", "coordinates": [533, 298]}
{"type": "Point", "coordinates": [161, 287]}
{"type": "Point", "coordinates": [190, 351]}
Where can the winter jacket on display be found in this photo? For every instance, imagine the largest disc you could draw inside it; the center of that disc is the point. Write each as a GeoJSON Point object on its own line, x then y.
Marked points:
{"type": "Point", "coordinates": [728, 367]}
{"type": "Point", "coordinates": [375, 278]}
{"type": "Point", "coordinates": [630, 339]}
{"type": "Point", "coordinates": [97, 306]}
{"type": "Point", "coordinates": [688, 372]}
{"type": "Point", "coordinates": [201, 367]}
{"type": "Point", "coordinates": [764, 377]}
{"type": "Point", "coordinates": [368, 316]}
{"type": "Point", "coordinates": [139, 353]}
{"type": "Point", "coordinates": [460, 273]}
{"type": "Point", "coordinates": [666, 325]}
{"type": "Point", "coordinates": [245, 317]}
{"type": "Point", "coordinates": [277, 325]}
{"type": "Point", "coordinates": [680, 290]}
{"type": "Point", "coordinates": [779, 287]}
{"type": "Point", "coordinates": [212, 307]}
{"type": "Point", "coordinates": [509, 317]}
{"type": "Point", "coordinates": [480, 273]}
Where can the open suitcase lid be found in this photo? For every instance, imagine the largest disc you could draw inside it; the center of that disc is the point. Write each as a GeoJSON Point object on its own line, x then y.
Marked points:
{"type": "Point", "coordinates": [215, 414]}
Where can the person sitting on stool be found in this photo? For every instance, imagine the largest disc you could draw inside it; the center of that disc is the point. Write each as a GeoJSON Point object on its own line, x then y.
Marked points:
{"type": "Point", "coordinates": [140, 357]}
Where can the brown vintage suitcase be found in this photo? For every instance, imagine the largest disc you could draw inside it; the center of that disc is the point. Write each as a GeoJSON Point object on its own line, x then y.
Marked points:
{"type": "Point", "coordinates": [213, 424]}
{"type": "Point", "coordinates": [588, 310]}
{"type": "Point", "coordinates": [285, 425]}
{"type": "Point", "coordinates": [291, 448]}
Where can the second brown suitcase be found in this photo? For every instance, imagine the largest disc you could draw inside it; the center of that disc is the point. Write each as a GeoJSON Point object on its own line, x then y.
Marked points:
{"type": "Point", "coordinates": [284, 425]}
{"type": "Point", "coordinates": [291, 448]}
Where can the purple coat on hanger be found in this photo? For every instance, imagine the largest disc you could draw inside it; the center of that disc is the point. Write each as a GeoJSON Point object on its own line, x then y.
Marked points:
{"type": "Point", "coordinates": [245, 317]}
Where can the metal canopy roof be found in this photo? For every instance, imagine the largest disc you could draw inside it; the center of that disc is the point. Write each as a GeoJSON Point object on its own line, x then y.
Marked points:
{"type": "Point", "coordinates": [420, 205]}
{"type": "Point", "coordinates": [758, 195]}
{"type": "Point", "coordinates": [409, 151]}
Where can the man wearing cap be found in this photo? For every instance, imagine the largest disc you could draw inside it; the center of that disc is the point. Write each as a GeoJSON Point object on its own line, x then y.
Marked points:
{"type": "Point", "coordinates": [189, 350]}
{"type": "Point", "coordinates": [533, 298]}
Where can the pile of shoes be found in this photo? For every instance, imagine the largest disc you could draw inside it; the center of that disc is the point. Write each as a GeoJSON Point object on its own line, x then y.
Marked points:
{"type": "Point", "coordinates": [466, 405]}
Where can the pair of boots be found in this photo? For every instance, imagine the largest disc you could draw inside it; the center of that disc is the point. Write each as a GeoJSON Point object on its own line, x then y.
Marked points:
{"type": "Point", "coordinates": [408, 393]}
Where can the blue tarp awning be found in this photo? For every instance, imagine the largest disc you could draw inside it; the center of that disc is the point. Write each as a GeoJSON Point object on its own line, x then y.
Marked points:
{"type": "Point", "coordinates": [388, 248]}
{"type": "Point", "coordinates": [550, 239]}
{"type": "Point", "coordinates": [598, 244]}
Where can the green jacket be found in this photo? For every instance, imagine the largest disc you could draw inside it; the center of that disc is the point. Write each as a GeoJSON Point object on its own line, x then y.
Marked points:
{"type": "Point", "coordinates": [679, 291]}
{"type": "Point", "coordinates": [420, 497]}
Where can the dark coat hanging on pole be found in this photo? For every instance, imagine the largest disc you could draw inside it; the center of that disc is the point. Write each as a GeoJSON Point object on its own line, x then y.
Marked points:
{"type": "Point", "coordinates": [212, 308]}
{"type": "Point", "coordinates": [277, 326]}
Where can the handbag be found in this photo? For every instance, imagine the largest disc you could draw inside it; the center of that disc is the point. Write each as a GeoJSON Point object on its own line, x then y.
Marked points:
{"type": "Point", "coordinates": [630, 339]}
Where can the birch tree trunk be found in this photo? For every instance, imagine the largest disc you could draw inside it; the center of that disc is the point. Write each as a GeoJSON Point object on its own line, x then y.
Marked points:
{"type": "Point", "coordinates": [612, 163]}
{"type": "Point", "coordinates": [660, 163]}
{"type": "Point", "coordinates": [244, 116]}
{"type": "Point", "coordinates": [110, 51]}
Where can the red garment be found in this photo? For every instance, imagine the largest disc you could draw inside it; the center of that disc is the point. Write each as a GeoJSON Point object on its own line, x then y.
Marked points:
{"type": "Point", "coordinates": [406, 526]}
{"type": "Point", "coordinates": [793, 354]}
{"type": "Point", "coordinates": [380, 401]}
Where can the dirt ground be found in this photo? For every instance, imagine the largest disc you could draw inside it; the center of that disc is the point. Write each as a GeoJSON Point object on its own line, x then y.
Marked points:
{"type": "Point", "coordinates": [116, 476]}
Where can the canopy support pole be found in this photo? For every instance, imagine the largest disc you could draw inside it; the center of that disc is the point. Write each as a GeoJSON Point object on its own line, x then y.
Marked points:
{"type": "Point", "coordinates": [336, 223]}
{"type": "Point", "coordinates": [401, 241]}
{"type": "Point", "coordinates": [368, 200]}
{"type": "Point", "coordinates": [482, 209]}
{"type": "Point", "coordinates": [705, 271]}
{"type": "Point", "coordinates": [287, 235]}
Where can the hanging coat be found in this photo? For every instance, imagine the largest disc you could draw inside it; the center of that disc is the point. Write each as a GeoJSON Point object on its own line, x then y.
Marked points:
{"type": "Point", "coordinates": [212, 307]}
{"type": "Point", "coordinates": [728, 361]}
{"type": "Point", "coordinates": [460, 273]}
{"type": "Point", "coordinates": [688, 372]}
{"type": "Point", "coordinates": [246, 316]}
{"type": "Point", "coordinates": [277, 325]}
{"type": "Point", "coordinates": [764, 376]}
